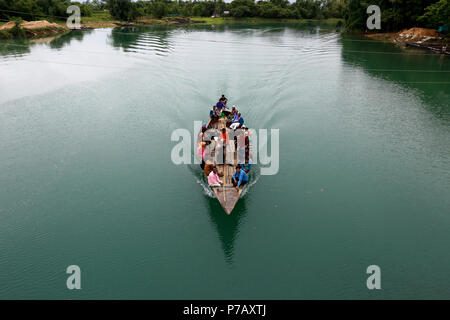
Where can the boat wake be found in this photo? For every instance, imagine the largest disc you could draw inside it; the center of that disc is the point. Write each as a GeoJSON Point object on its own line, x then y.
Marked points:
{"type": "Point", "coordinates": [253, 178]}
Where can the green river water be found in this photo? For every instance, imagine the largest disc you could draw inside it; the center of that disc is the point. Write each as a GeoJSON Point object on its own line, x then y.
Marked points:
{"type": "Point", "coordinates": [86, 176]}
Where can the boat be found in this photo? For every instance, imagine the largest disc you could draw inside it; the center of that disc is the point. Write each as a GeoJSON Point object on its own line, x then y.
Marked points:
{"type": "Point", "coordinates": [227, 194]}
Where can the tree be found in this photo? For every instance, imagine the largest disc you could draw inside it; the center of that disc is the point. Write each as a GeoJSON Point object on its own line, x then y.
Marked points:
{"type": "Point", "coordinates": [243, 8]}
{"type": "Point", "coordinates": [437, 14]}
{"type": "Point", "coordinates": [159, 9]}
{"type": "Point", "coordinates": [122, 9]}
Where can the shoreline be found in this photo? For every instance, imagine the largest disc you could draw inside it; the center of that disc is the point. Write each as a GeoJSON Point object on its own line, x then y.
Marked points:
{"type": "Point", "coordinates": [60, 28]}
{"type": "Point", "coordinates": [419, 38]}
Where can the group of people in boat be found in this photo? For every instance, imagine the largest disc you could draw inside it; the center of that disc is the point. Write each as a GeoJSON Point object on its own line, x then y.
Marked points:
{"type": "Point", "coordinates": [241, 140]}
{"type": "Point", "coordinates": [219, 110]}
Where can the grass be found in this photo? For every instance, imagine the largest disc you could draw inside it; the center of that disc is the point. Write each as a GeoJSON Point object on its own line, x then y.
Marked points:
{"type": "Point", "coordinates": [102, 17]}
{"type": "Point", "coordinates": [98, 16]}
{"type": "Point", "coordinates": [226, 20]}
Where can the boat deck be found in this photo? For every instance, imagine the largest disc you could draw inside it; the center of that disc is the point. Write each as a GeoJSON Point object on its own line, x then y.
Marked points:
{"type": "Point", "coordinates": [226, 194]}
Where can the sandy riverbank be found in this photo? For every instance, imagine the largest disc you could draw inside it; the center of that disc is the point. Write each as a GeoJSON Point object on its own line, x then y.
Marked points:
{"type": "Point", "coordinates": [31, 29]}
{"type": "Point", "coordinates": [416, 37]}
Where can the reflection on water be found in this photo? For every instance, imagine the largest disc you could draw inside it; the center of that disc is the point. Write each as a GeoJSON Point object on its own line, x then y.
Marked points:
{"type": "Point", "coordinates": [20, 48]}
{"type": "Point", "coordinates": [227, 226]}
{"type": "Point", "coordinates": [141, 40]}
{"type": "Point", "coordinates": [426, 72]}
{"type": "Point", "coordinates": [66, 39]}
{"type": "Point", "coordinates": [8, 49]}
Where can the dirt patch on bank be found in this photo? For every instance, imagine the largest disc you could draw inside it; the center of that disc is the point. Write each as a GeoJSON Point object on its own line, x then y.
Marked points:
{"type": "Point", "coordinates": [98, 25]}
{"type": "Point", "coordinates": [416, 37]}
{"type": "Point", "coordinates": [32, 25]}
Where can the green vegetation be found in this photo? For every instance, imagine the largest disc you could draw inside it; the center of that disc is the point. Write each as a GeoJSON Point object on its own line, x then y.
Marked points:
{"type": "Point", "coordinates": [399, 14]}
{"type": "Point", "coordinates": [29, 10]}
{"type": "Point", "coordinates": [437, 14]}
{"type": "Point", "coordinates": [15, 32]}
{"type": "Point", "coordinates": [230, 20]}
{"type": "Point", "coordinates": [127, 10]}
{"type": "Point", "coordinates": [395, 14]}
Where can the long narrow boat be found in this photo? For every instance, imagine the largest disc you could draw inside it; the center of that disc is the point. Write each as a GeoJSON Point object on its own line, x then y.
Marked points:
{"type": "Point", "coordinates": [227, 194]}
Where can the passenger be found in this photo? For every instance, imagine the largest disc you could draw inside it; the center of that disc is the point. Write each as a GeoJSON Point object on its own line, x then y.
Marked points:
{"type": "Point", "coordinates": [231, 114]}
{"type": "Point", "coordinates": [240, 145]}
{"type": "Point", "coordinates": [209, 164]}
{"type": "Point", "coordinates": [201, 135]}
{"type": "Point", "coordinates": [247, 166]}
{"type": "Point", "coordinates": [214, 113]}
{"type": "Point", "coordinates": [224, 139]}
{"type": "Point", "coordinates": [213, 178]}
{"type": "Point", "coordinates": [241, 120]}
{"type": "Point", "coordinates": [223, 100]}
{"type": "Point", "coordinates": [247, 137]}
{"type": "Point", "coordinates": [201, 150]}
{"type": "Point", "coordinates": [236, 122]}
{"type": "Point", "coordinates": [224, 136]}
{"type": "Point", "coordinates": [240, 178]}
{"type": "Point", "coordinates": [235, 117]}
{"type": "Point", "coordinates": [220, 105]}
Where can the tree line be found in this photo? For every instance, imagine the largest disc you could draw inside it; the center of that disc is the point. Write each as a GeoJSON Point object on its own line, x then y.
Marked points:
{"type": "Point", "coordinates": [395, 14]}
{"type": "Point", "coordinates": [280, 9]}
{"type": "Point", "coordinates": [399, 14]}
{"type": "Point", "coordinates": [40, 9]}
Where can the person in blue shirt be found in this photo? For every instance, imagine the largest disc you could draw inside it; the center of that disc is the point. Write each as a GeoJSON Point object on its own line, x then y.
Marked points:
{"type": "Point", "coordinates": [236, 121]}
{"type": "Point", "coordinates": [247, 166]}
{"type": "Point", "coordinates": [241, 120]}
{"type": "Point", "coordinates": [240, 178]}
{"type": "Point", "coordinates": [220, 105]}
{"type": "Point", "coordinates": [214, 113]}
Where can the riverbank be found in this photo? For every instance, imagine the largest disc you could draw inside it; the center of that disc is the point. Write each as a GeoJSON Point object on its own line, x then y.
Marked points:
{"type": "Point", "coordinates": [30, 29]}
{"type": "Point", "coordinates": [43, 28]}
{"type": "Point", "coordinates": [423, 38]}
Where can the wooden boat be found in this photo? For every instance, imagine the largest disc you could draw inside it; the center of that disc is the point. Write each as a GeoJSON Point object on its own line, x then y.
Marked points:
{"type": "Point", "coordinates": [227, 194]}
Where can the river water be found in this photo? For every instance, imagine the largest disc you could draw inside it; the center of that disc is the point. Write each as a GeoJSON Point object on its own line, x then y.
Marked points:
{"type": "Point", "coordinates": [86, 176]}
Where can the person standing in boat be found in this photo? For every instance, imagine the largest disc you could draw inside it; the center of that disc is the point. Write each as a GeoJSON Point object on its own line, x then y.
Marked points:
{"type": "Point", "coordinates": [213, 178]}
{"type": "Point", "coordinates": [201, 150]}
{"type": "Point", "coordinates": [224, 140]}
{"type": "Point", "coordinates": [201, 135]}
{"type": "Point", "coordinates": [240, 178]}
